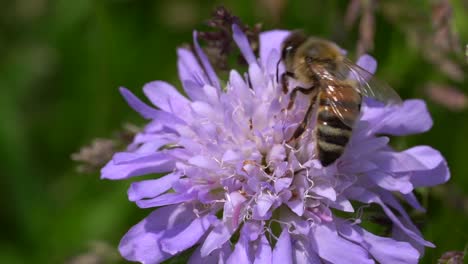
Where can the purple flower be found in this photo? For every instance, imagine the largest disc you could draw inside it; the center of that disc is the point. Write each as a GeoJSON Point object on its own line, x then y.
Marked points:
{"type": "Point", "coordinates": [238, 193]}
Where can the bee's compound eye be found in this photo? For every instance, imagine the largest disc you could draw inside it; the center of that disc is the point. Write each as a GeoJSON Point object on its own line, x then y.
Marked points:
{"type": "Point", "coordinates": [286, 51]}
{"type": "Point", "coordinates": [308, 60]}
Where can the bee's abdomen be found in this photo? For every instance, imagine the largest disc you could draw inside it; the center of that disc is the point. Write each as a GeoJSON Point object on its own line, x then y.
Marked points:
{"type": "Point", "coordinates": [332, 133]}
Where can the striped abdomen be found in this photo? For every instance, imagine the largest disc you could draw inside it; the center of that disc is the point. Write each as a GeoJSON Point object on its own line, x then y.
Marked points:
{"type": "Point", "coordinates": [332, 133]}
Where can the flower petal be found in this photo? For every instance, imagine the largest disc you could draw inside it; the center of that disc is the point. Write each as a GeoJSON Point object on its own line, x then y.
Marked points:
{"type": "Point", "coordinates": [216, 239]}
{"type": "Point", "coordinates": [187, 237]}
{"type": "Point", "coordinates": [438, 175]}
{"type": "Point", "coordinates": [335, 249]}
{"type": "Point", "coordinates": [241, 253]}
{"type": "Point", "coordinates": [368, 63]}
{"type": "Point", "coordinates": [325, 190]}
{"type": "Point", "coordinates": [165, 199]}
{"type": "Point", "coordinates": [143, 109]}
{"type": "Point", "coordinates": [194, 90]}
{"type": "Point", "coordinates": [205, 62]}
{"type": "Point", "coordinates": [258, 81]}
{"type": "Point", "coordinates": [303, 253]}
{"type": "Point", "coordinates": [232, 208]}
{"type": "Point", "coordinates": [282, 254]}
{"type": "Point", "coordinates": [142, 242]}
{"type": "Point", "coordinates": [263, 205]}
{"type": "Point", "coordinates": [365, 196]}
{"type": "Point", "coordinates": [122, 158]}
{"type": "Point", "coordinates": [218, 256]}
{"type": "Point", "coordinates": [383, 249]}
{"type": "Point", "coordinates": [166, 97]}
{"type": "Point", "coordinates": [269, 41]}
{"type": "Point", "coordinates": [391, 182]}
{"type": "Point", "coordinates": [114, 171]}
{"type": "Point", "coordinates": [243, 43]}
{"type": "Point", "coordinates": [413, 201]}
{"type": "Point", "coordinates": [263, 254]}
{"type": "Point", "coordinates": [203, 162]}
{"type": "Point", "coordinates": [152, 188]}
{"type": "Point", "coordinates": [189, 69]}
{"type": "Point", "coordinates": [343, 204]}
{"type": "Point", "coordinates": [420, 158]}
{"type": "Point", "coordinates": [409, 118]}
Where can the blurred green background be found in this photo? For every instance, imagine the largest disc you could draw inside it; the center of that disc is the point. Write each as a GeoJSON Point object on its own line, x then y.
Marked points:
{"type": "Point", "coordinates": [61, 63]}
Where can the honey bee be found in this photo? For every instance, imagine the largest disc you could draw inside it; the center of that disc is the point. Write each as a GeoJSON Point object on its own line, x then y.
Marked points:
{"type": "Point", "coordinates": [336, 87]}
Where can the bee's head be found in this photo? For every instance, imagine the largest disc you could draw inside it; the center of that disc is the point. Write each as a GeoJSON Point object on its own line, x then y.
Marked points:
{"type": "Point", "coordinates": [321, 54]}
{"type": "Point", "coordinates": [290, 46]}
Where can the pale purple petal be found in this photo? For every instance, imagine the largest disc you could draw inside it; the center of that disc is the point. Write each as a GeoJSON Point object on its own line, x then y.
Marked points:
{"type": "Point", "coordinates": [325, 190]}
{"type": "Point", "coordinates": [143, 109]}
{"type": "Point", "coordinates": [243, 43]}
{"type": "Point", "coordinates": [438, 171]}
{"type": "Point", "coordinates": [413, 201]}
{"type": "Point", "coordinates": [218, 256]}
{"type": "Point", "coordinates": [257, 80]}
{"type": "Point", "coordinates": [189, 69]}
{"type": "Point", "coordinates": [205, 62]}
{"type": "Point", "coordinates": [241, 253]}
{"type": "Point", "coordinates": [277, 153]}
{"type": "Point", "coordinates": [142, 242]}
{"type": "Point", "coordinates": [216, 239]}
{"type": "Point", "coordinates": [421, 158]}
{"type": "Point", "coordinates": [439, 175]}
{"type": "Point", "coordinates": [368, 63]}
{"type": "Point", "coordinates": [335, 249]}
{"type": "Point", "coordinates": [410, 118]}
{"type": "Point", "coordinates": [429, 157]}
{"type": "Point", "coordinates": [303, 253]}
{"type": "Point", "coordinates": [152, 188]}
{"type": "Point", "coordinates": [282, 184]}
{"type": "Point", "coordinates": [272, 67]}
{"type": "Point", "coordinates": [269, 41]}
{"type": "Point", "coordinates": [252, 230]}
{"type": "Point", "coordinates": [148, 112]}
{"type": "Point", "coordinates": [194, 90]}
{"type": "Point", "coordinates": [282, 254]}
{"type": "Point", "coordinates": [264, 203]}
{"type": "Point", "coordinates": [263, 254]}
{"type": "Point", "coordinates": [113, 171]}
{"type": "Point", "coordinates": [342, 204]}
{"type": "Point", "coordinates": [391, 182]}
{"type": "Point", "coordinates": [296, 205]}
{"type": "Point", "coordinates": [150, 143]}
{"type": "Point", "coordinates": [211, 95]}
{"type": "Point", "coordinates": [203, 162]}
{"type": "Point", "coordinates": [405, 219]}
{"type": "Point", "coordinates": [369, 197]}
{"type": "Point", "coordinates": [232, 208]}
{"type": "Point", "coordinates": [166, 97]}
{"type": "Point", "coordinates": [383, 249]}
{"type": "Point", "coordinates": [187, 237]}
{"type": "Point", "coordinates": [366, 147]}
{"type": "Point", "coordinates": [122, 158]}
{"type": "Point", "coordinates": [165, 199]}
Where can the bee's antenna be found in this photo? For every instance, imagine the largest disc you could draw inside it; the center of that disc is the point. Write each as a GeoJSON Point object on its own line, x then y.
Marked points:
{"type": "Point", "coordinates": [277, 70]}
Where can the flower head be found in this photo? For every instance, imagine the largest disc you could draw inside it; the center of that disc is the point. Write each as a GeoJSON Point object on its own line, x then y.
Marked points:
{"type": "Point", "coordinates": [236, 191]}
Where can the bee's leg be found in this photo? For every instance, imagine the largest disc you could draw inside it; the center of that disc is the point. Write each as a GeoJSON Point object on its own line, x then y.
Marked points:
{"type": "Point", "coordinates": [305, 122]}
{"type": "Point", "coordinates": [292, 98]}
{"type": "Point", "coordinates": [284, 80]}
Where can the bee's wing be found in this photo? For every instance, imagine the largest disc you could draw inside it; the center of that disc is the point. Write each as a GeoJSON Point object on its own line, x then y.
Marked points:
{"type": "Point", "coordinates": [369, 86]}
{"type": "Point", "coordinates": [341, 102]}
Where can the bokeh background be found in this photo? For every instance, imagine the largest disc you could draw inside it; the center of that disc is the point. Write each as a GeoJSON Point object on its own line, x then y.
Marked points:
{"type": "Point", "coordinates": [61, 63]}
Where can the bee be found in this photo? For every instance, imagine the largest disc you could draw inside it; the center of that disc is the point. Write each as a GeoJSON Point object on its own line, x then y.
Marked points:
{"type": "Point", "coordinates": [336, 87]}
